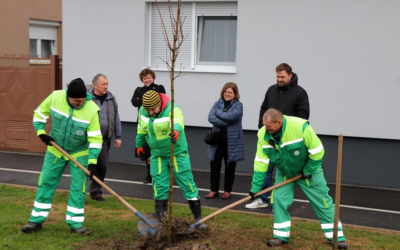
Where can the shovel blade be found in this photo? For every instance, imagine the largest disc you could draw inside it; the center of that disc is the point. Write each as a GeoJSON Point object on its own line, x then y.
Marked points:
{"type": "Point", "coordinates": [149, 224]}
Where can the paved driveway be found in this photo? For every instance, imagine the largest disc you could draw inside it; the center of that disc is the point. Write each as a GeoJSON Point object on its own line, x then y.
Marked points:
{"type": "Point", "coordinates": [360, 206]}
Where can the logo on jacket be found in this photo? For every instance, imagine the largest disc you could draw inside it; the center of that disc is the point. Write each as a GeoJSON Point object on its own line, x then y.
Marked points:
{"type": "Point", "coordinates": [79, 133]}
{"type": "Point", "coordinates": [296, 153]}
{"type": "Point", "coordinates": [164, 132]}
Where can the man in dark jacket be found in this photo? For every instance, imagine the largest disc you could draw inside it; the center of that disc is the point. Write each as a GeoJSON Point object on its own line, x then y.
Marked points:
{"type": "Point", "coordinates": [289, 98]}
{"type": "Point", "coordinates": [110, 125]}
{"type": "Point", "coordinates": [286, 95]}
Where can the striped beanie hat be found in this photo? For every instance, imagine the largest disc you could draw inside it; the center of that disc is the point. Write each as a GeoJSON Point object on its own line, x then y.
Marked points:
{"type": "Point", "coordinates": [151, 99]}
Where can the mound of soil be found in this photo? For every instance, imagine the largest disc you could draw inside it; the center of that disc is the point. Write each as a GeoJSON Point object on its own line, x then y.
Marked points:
{"type": "Point", "coordinates": [181, 240]}
{"type": "Point", "coordinates": [180, 237]}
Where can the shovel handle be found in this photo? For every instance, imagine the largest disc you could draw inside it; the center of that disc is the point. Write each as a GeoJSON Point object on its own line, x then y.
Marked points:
{"type": "Point", "coordinates": [247, 199]}
{"type": "Point", "coordinates": [94, 178]}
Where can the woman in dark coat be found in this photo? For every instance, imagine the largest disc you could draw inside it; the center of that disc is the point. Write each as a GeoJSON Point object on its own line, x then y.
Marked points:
{"type": "Point", "coordinates": [226, 116]}
{"type": "Point", "coordinates": [147, 77]}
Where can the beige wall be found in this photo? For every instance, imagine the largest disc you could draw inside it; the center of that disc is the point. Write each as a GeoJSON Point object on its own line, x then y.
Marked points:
{"type": "Point", "coordinates": [14, 23]}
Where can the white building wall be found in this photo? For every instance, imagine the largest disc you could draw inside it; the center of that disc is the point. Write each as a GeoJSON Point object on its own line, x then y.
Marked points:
{"type": "Point", "coordinates": [346, 55]}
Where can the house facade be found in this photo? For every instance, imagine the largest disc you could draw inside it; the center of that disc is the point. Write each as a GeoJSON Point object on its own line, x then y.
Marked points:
{"type": "Point", "coordinates": [345, 53]}
{"type": "Point", "coordinates": [30, 40]}
{"type": "Point", "coordinates": [31, 27]}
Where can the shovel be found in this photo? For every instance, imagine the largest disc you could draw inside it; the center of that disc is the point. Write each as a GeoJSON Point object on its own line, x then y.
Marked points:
{"type": "Point", "coordinates": [193, 226]}
{"type": "Point", "coordinates": [149, 223]}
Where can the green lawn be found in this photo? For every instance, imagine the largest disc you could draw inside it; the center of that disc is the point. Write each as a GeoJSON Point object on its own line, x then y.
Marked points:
{"type": "Point", "coordinates": [114, 227]}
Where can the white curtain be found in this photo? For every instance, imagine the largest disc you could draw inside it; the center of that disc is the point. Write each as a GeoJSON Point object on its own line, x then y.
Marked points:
{"type": "Point", "coordinates": [218, 38]}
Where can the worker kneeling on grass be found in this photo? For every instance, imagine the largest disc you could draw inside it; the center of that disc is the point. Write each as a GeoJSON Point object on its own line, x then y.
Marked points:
{"type": "Point", "coordinates": [75, 127]}
{"type": "Point", "coordinates": [293, 147]}
{"type": "Point", "coordinates": [154, 127]}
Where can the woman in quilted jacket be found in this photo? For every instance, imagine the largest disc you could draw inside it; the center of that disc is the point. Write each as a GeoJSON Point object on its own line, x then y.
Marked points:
{"type": "Point", "coordinates": [226, 117]}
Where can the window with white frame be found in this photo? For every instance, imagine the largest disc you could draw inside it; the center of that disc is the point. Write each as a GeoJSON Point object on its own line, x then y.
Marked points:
{"type": "Point", "coordinates": [211, 34]}
{"type": "Point", "coordinates": [42, 38]}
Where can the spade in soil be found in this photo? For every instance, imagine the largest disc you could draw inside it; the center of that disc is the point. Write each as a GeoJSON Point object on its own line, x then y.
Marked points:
{"type": "Point", "coordinates": [148, 223]}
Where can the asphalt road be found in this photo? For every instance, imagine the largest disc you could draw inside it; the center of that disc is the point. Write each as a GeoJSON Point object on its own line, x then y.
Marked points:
{"type": "Point", "coordinates": [359, 206]}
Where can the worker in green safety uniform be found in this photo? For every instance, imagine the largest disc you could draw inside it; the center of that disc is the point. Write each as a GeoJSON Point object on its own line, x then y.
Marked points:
{"type": "Point", "coordinates": [75, 128]}
{"type": "Point", "coordinates": [154, 129]}
{"type": "Point", "coordinates": [293, 147]}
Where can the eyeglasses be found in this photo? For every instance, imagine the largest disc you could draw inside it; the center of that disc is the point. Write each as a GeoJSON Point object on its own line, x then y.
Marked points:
{"type": "Point", "coordinates": [228, 92]}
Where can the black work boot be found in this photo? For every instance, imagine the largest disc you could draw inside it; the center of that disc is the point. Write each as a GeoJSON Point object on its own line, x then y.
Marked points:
{"type": "Point", "coordinates": [342, 245]}
{"type": "Point", "coordinates": [80, 230]}
{"type": "Point", "coordinates": [161, 208]}
{"type": "Point", "coordinates": [101, 199]}
{"type": "Point", "coordinates": [195, 207]}
{"type": "Point", "coordinates": [274, 242]}
{"type": "Point", "coordinates": [31, 227]}
{"type": "Point", "coordinates": [148, 178]}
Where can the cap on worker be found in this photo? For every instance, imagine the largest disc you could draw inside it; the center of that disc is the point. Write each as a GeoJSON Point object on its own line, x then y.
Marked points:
{"type": "Point", "coordinates": [76, 88]}
{"type": "Point", "coordinates": [151, 99]}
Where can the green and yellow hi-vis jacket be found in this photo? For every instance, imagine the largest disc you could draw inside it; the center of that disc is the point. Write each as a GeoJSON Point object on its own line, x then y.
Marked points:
{"type": "Point", "coordinates": [77, 131]}
{"type": "Point", "coordinates": [299, 150]}
{"type": "Point", "coordinates": [155, 131]}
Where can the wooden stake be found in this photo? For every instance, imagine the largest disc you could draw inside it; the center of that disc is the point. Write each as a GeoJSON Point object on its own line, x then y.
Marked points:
{"type": "Point", "coordinates": [337, 196]}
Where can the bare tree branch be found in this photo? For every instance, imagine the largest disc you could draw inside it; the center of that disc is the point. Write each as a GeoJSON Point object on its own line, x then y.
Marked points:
{"type": "Point", "coordinates": [165, 34]}
{"type": "Point", "coordinates": [174, 49]}
{"type": "Point", "coordinates": [180, 72]}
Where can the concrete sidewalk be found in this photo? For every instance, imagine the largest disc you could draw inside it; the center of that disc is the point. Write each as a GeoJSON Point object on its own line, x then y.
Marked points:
{"type": "Point", "coordinates": [360, 206]}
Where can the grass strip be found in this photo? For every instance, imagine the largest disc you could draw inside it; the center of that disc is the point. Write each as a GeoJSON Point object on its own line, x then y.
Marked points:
{"type": "Point", "coordinates": [115, 227]}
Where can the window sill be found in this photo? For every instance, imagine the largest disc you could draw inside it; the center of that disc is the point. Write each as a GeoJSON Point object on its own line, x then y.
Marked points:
{"type": "Point", "coordinates": [223, 70]}
{"type": "Point", "coordinates": [39, 61]}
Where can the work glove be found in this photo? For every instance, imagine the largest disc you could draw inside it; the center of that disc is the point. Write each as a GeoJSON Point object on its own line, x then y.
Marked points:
{"type": "Point", "coordinates": [253, 197]}
{"type": "Point", "coordinates": [92, 170]}
{"type": "Point", "coordinates": [174, 136]}
{"type": "Point", "coordinates": [306, 176]}
{"type": "Point", "coordinates": [46, 139]}
{"type": "Point", "coordinates": [140, 153]}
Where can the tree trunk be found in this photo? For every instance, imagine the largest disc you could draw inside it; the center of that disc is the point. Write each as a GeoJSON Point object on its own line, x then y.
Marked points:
{"type": "Point", "coordinates": [171, 167]}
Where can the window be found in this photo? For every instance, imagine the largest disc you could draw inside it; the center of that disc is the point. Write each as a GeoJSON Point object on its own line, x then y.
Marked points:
{"type": "Point", "coordinates": [216, 40]}
{"type": "Point", "coordinates": [210, 45]}
{"type": "Point", "coordinates": [42, 38]}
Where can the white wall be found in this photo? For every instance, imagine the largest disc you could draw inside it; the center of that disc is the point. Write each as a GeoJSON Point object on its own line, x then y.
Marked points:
{"type": "Point", "coordinates": [103, 36]}
{"type": "Point", "coordinates": [346, 54]}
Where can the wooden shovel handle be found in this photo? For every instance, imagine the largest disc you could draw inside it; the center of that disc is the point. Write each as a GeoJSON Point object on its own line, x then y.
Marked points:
{"type": "Point", "coordinates": [94, 178]}
{"type": "Point", "coordinates": [248, 198]}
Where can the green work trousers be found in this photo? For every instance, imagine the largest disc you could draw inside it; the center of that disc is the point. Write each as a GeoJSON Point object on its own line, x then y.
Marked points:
{"type": "Point", "coordinates": [159, 170]}
{"type": "Point", "coordinates": [49, 179]}
{"type": "Point", "coordinates": [316, 191]}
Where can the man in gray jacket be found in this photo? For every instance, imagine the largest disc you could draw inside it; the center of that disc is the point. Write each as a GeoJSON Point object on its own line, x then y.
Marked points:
{"type": "Point", "coordinates": [110, 125]}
